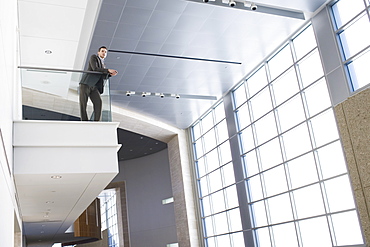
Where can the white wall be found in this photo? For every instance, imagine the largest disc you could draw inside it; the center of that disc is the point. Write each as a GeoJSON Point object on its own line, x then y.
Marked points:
{"type": "Point", "coordinates": [9, 110]}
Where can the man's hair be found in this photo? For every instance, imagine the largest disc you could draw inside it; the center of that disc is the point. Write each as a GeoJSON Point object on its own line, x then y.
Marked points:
{"type": "Point", "coordinates": [102, 47]}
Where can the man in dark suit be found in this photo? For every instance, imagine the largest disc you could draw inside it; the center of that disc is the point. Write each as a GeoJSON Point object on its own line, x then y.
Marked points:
{"type": "Point", "coordinates": [92, 85]}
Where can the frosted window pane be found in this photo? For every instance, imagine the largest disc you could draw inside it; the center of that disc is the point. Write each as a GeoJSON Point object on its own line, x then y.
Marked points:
{"type": "Point", "coordinates": [266, 128]}
{"type": "Point", "coordinates": [345, 10]}
{"type": "Point", "coordinates": [291, 113]}
{"type": "Point", "coordinates": [222, 131]}
{"type": "Point", "coordinates": [354, 39]}
{"type": "Point", "coordinates": [332, 161]}
{"type": "Point", "coordinates": [280, 62]}
{"type": "Point", "coordinates": [199, 148]}
{"type": "Point", "coordinates": [246, 139]}
{"type": "Point", "coordinates": [304, 42]}
{"type": "Point", "coordinates": [257, 81]}
{"type": "Point", "coordinates": [309, 201]}
{"type": "Point", "coordinates": [235, 223]}
{"type": "Point", "coordinates": [263, 237]}
{"type": "Point", "coordinates": [296, 141]}
{"type": "Point", "coordinates": [209, 140]}
{"type": "Point", "coordinates": [201, 167]}
{"type": "Point", "coordinates": [196, 131]}
{"type": "Point", "coordinates": [347, 229]}
{"type": "Point", "coordinates": [243, 116]}
{"type": "Point", "coordinates": [324, 128]}
{"type": "Point", "coordinates": [255, 188]}
{"type": "Point", "coordinates": [261, 104]}
{"type": "Point", "coordinates": [212, 160]}
{"type": "Point", "coordinates": [240, 95]}
{"type": "Point", "coordinates": [318, 90]}
{"type": "Point", "coordinates": [219, 112]}
{"type": "Point", "coordinates": [270, 154]}
{"type": "Point", "coordinates": [280, 209]}
{"type": "Point", "coordinates": [359, 71]}
{"type": "Point", "coordinates": [203, 183]}
{"type": "Point", "coordinates": [302, 171]}
{"type": "Point", "coordinates": [218, 202]}
{"type": "Point", "coordinates": [225, 152]}
{"type": "Point", "coordinates": [237, 239]}
{"type": "Point", "coordinates": [208, 225]}
{"type": "Point", "coordinates": [310, 68]}
{"type": "Point", "coordinates": [339, 194]}
{"type": "Point", "coordinates": [250, 163]}
{"type": "Point", "coordinates": [259, 214]}
{"type": "Point", "coordinates": [206, 206]}
{"type": "Point", "coordinates": [231, 197]}
{"type": "Point", "coordinates": [315, 232]}
{"type": "Point", "coordinates": [285, 86]}
{"type": "Point", "coordinates": [285, 235]}
{"type": "Point", "coordinates": [228, 174]}
{"type": "Point", "coordinates": [223, 240]}
{"type": "Point", "coordinates": [207, 122]}
{"type": "Point", "coordinates": [221, 223]}
{"type": "Point", "coordinates": [275, 181]}
{"type": "Point", "coordinates": [215, 181]}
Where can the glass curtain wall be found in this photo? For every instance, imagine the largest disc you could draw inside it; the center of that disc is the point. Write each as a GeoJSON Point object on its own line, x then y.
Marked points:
{"type": "Point", "coordinates": [298, 191]}
{"type": "Point", "coordinates": [352, 26]}
{"type": "Point", "coordinates": [108, 209]}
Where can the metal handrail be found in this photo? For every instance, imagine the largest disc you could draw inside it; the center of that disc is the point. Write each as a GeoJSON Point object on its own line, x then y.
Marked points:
{"type": "Point", "coordinates": [63, 70]}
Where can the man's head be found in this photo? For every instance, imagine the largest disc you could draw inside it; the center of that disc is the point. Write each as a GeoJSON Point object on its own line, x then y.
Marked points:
{"type": "Point", "coordinates": [102, 52]}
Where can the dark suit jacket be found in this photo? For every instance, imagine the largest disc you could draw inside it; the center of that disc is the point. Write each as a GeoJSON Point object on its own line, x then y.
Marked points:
{"type": "Point", "coordinates": [96, 80]}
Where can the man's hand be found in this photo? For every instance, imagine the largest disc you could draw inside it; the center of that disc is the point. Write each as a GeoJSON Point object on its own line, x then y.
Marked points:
{"type": "Point", "coordinates": [112, 72]}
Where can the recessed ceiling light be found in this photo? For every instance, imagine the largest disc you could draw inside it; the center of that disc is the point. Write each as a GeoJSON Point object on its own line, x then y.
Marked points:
{"type": "Point", "coordinates": [48, 52]}
{"type": "Point", "coordinates": [49, 202]}
{"type": "Point", "coordinates": [56, 177]}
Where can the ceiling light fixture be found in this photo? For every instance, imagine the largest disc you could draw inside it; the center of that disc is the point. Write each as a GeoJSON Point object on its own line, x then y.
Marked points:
{"type": "Point", "coordinates": [129, 93]}
{"type": "Point", "coordinates": [144, 94]}
{"type": "Point", "coordinates": [232, 3]}
{"type": "Point", "coordinates": [48, 52]}
{"type": "Point", "coordinates": [56, 176]}
{"type": "Point", "coordinates": [177, 96]}
{"type": "Point", "coordinates": [161, 95]}
{"type": "Point", "coordinates": [253, 6]}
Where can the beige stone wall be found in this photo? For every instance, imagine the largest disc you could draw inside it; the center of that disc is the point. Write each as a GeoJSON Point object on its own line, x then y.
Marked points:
{"type": "Point", "coordinates": [353, 117]}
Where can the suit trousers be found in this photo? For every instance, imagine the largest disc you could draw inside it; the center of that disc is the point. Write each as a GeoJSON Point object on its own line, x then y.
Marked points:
{"type": "Point", "coordinates": [87, 92]}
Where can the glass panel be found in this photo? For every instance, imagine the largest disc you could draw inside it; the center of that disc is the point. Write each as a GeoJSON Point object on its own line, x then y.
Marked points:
{"type": "Point", "coordinates": [257, 81]}
{"type": "Point", "coordinates": [302, 171]}
{"type": "Point", "coordinates": [324, 128]}
{"type": "Point", "coordinates": [215, 182]}
{"type": "Point", "coordinates": [219, 112]}
{"type": "Point", "coordinates": [280, 209]}
{"type": "Point", "coordinates": [198, 147]}
{"type": "Point", "coordinates": [203, 183]}
{"type": "Point", "coordinates": [261, 104]}
{"type": "Point", "coordinates": [358, 70]}
{"type": "Point", "coordinates": [255, 188]}
{"type": "Point", "coordinates": [310, 68]}
{"type": "Point", "coordinates": [259, 214]}
{"type": "Point", "coordinates": [285, 86]}
{"type": "Point", "coordinates": [332, 161]}
{"type": "Point", "coordinates": [304, 42]}
{"type": "Point", "coordinates": [354, 38]}
{"type": "Point", "coordinates": [218, 202]}
{"type": "Point", "coordinates": [212, 160]}
{"type": "Point", "coordinates": [240, 95]}
{"type": "Point", "coordinates": [228, 174]}
{"type": "Point", "coordinates": [221, 223]}
{"type": "Point", "coordinates": [345, 10]}
{"type": "Point", "coordinates": [296, 141]}
{"type": "Point", "coordinates": [208, 225]}
{"type": "Point", "coordinates": [266, 128]}
{"type": "Point", "coordinates": [291, 113]}
{"type": "Point", "coordinates": [317, 227]}
{"type": "Point", "coordinates": [211, 242]}
{"type": "Point", "coordinates": [275, 181]}
{"type": "Point", "coordinates": [285, 235]}
{"type": "Point", "coordinates": [206, 205]}
{"type": "Point", "coordinates": [209, 140]}
{"type": "Point", "coordinates": [270, 154]}
{"type": "Point", "coordinates": [339, 194]}
{"type": "Point", "coordinates": [263, 236]}
{"type": "Point", "coordinates": [207, 122]}
{"type": "Point", "coordinates": [225, 152]}
{"type": "Point", "coordinates": [235, 223]}
{"type": "Point", "coordinates": [232, 197]}
{"type": "Point", "coordinates": [237, 239]}
{"type": "Point", "coordinates": [201, 167]}
{"type": "Point", "coordinates": [347, 229]}
{"type": "Point", "coordinates": [316, 91]}
{"type": "Point", "coordinates": [243, 116]}
{"type": "Point", "coordinates": [196, 131]}
{"type": "Point", "coordinates": [309, 201]}
{"type": "Point", "coordinates": [280, 62]}
{"type": "Point", "coordinates": [222, 133]}
{"type": "Point", "coordinates": [223, 240]}
{"type": "Point", "coordinates": [246, 139]}
{"type": "Point", "coordinates": [250, 163]}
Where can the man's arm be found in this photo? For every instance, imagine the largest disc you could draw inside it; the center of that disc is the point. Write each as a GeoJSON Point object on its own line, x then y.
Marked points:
{"type": "Point", "coordinates": [94, 65]}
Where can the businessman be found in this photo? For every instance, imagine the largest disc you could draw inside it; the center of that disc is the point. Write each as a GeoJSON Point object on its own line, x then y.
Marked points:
{"type": "Point", "coordinates": [92, 85]}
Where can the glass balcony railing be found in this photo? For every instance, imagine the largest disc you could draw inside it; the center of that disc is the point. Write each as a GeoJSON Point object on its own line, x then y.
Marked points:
{"type": "Point", "coordinates": [62, 84]}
